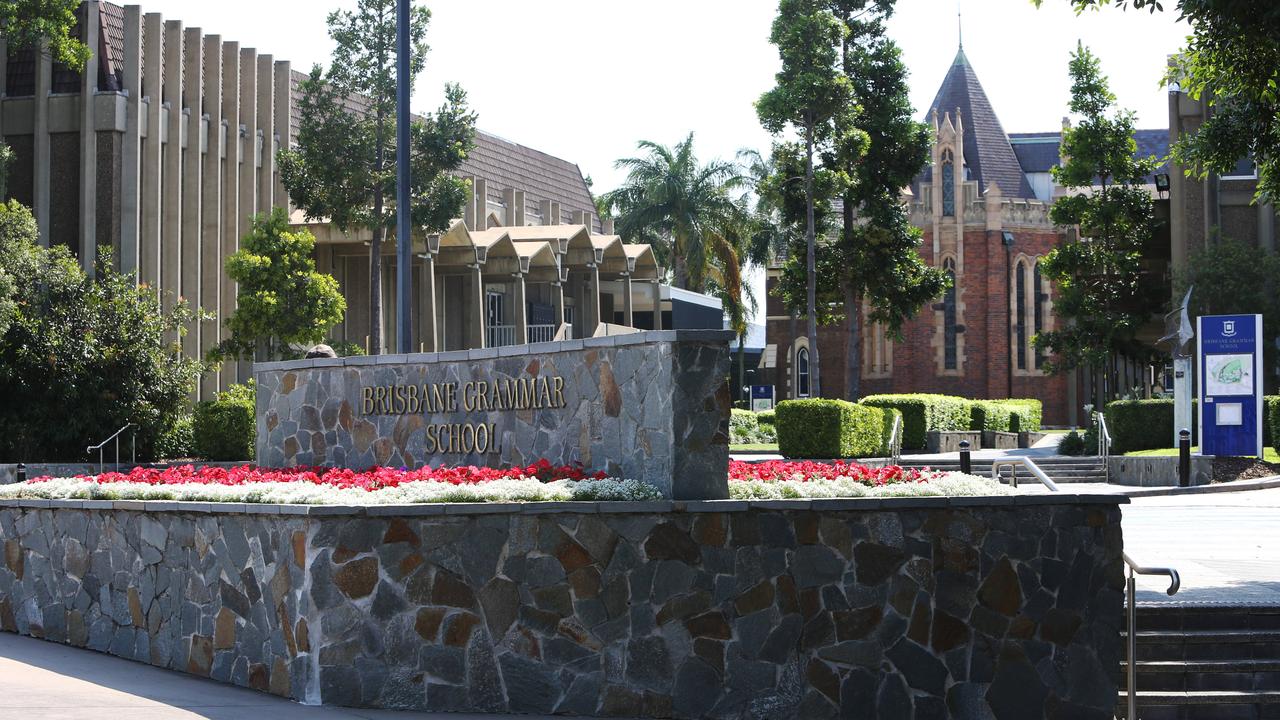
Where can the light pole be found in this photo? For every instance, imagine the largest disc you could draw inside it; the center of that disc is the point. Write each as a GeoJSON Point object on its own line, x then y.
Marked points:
{"type": "Point", "coordinates": [404, 239]}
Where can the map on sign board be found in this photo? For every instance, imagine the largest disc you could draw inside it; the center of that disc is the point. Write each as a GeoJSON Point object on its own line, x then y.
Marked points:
{"type": "Point", "coordinates": [1228, 375]}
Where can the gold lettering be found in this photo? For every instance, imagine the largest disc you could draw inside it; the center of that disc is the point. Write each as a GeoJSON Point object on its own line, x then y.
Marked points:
{"type": "Point", "coordinates": [468, 397]}
{"type": "Point", "coordinates": [526, 396]}
{"type": "Point", "coordinates": [451, 392]}
{"type": "Point", "coordinates": [482, 433]}
{"type": "Point", "coordinates": [468, 439]}
{"type": "Point", "coordinates": [558, 387]}
{"type": "Point", "coordinates": [508, 394]}
{"type": "Point", "coordinates": [432, 445]}
{"type": "Point", "coordinates": [414, 407]}
{"type": "Point", "coordinates": [544, 394]}
{"type": "Point", "coordinates": [399, 400]}
{"type": "Point", "coordinates": [482, 398]}
{"type": "Point", "coordinates": [366, 401]}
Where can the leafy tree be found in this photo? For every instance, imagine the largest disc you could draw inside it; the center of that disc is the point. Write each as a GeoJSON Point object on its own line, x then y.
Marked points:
{"type": "Point", "coordinates": [1233, 277]}
{"type": "Point", "coordinates": [1102, 298]}
{"type": "Point", "coordinates": [281, 299]}
{"type": "Point", "coordinates": [343, 169]}
{"type": "Point", "coordinates": [810, 93]}
{"type": "Point", "coordinates": [1233, 57]}
{"type": "Point", "coordinates": [24, 23]}
{"type": "Point", "coordinates": [81, 357]}
{"type": "Point", "coordinates": [678, 205]}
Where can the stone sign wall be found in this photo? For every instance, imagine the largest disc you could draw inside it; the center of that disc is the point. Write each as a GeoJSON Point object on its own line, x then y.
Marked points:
{"type": "Point", "coordinates": [651, 406]}
{"type": "Point", "coordinates": [893, 608]}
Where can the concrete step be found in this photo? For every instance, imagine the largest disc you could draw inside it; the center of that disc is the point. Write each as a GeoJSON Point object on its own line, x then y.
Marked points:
{"type": "Point", "coordinates": [1174, 617]}
{"type": "Point", "coordinates": [1162, 645]}
{"type": "Point", "coordinates": [1207, 675]}
{"type": "Point", "coordinates": [1203, 705]}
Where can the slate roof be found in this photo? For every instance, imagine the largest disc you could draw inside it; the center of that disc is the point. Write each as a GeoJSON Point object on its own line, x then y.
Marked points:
{"type": "Point", "coordinates": [987, 151]}
{"type": "Point", "coordinates": [1037, 152]}
{"type": "Point", "coordinates": [502, 164]}
{"type": "Point", "coordinates": [20, 70]}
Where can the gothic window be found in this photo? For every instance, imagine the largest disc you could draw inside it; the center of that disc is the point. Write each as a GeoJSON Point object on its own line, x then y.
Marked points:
{"type": "Point", "coordinates": [802, 372]}
{"type": "Point", "coordinates": [1037, 302]}
{"type": "Point", "coordinates": [1020, 313]}
{"type": "Point", "coordinates": [949, 361]}
{"type": "Point", "coordinates": [948, 189]}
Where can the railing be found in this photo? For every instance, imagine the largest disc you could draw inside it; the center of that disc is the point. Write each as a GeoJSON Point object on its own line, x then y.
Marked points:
{"type": "Point", "coordinates": [895, 440]}
{"type": "Point", "coordinates": [133, 451]}
{"type": "Point", "coordinates": [1104, 444]}
{"type": "Point", "coordinates": [1029, 464]}
{"type": "Point", "coordinates": [501, 335]}
{"type": "Point", "coordinates": [1131, 668]}
{"type": "Point", "coordinates": [542, 333]}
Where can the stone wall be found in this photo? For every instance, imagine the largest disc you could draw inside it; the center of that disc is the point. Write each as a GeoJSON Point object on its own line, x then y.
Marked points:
{"type": "Point", "coordinates": [1157, 471]}
{"type": "Point", "coordinates": [965, 608]}
{"type": "Point", "coordinates": [651, 406]}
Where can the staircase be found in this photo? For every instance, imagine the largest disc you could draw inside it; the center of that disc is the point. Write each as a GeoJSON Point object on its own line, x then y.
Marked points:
{"type": "Point", "coordinates": [1206, 663]}
{"type": "Point", "coordinates": [1059, 469]}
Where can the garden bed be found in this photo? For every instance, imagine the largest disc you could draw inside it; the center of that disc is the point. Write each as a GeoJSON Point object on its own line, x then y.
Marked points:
{"type": "Point", "coordinates": [540, 482]}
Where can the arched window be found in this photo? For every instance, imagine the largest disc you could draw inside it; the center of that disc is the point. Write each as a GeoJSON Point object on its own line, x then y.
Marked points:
{"type": "Point", "coordinates": [948, 188]}
{"type": "Point", "coordinates": [1020, 313]}
{"type": "Point", "coordinates": [949, 360]}
{"type": "Point", "coordinates": [1037, 302]}
{"type": "Point", "coordinates": [802, 372]}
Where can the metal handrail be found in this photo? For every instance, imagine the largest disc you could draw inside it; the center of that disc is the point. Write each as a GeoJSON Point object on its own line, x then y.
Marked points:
{"type": "Point", "coordinates": [133, 451]}
{"type": "Point", "coordinates": [1028, 464]}
{"type": "Point", "coordinates": [1131, 669]}
{"type": "Point", "coordinates": [895, 440]}
{"type": "Point", "coordinates": [1104, 444]}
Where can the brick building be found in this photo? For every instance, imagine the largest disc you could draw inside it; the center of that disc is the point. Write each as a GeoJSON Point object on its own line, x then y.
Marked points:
{"type": "Point", "coordinates": [983, 204]}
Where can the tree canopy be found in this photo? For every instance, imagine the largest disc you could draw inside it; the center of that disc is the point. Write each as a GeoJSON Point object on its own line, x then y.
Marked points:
{"type": "Point", "coordinates": [343, 169]}
{"type": "Point", "coordinates": [1102, 298]}
{"type": "Point", "coordinates": [1232, 59]}
{"type": "Point", "coordinates": [25, 23]}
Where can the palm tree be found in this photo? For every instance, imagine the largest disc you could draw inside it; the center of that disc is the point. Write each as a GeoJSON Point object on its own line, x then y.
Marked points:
{"type": "Point", "coordinates": [677, 205]}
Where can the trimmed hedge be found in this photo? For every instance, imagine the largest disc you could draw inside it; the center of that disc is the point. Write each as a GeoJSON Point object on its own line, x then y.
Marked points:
{"type": "Point", "coordinates": [1027, 414]}
{"type": "Point", "coordinates": [765, 418]}
{"type": "Point", "coordinates": [991, 415]}
{"type": "Point", "coordinates": [886, 436]}
{"type": "Point", "coordinates": [818, 428]}
{"type": "Point", "coordinates": [1271, 421]}
{"type": "Point", "coordinates": [1143, 425]}
{"type": "Point", "coordinates": [923, 412]}
{"type": "Point", "coordinates": [225, 428]}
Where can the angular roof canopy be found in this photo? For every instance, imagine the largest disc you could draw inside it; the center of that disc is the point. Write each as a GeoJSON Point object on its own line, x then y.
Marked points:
{"type": "Point", "coordinates": [987, 152]}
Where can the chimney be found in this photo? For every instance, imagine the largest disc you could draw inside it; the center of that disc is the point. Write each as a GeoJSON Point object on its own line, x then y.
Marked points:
{"type": "Point", "coordinates": [469, 207]}
{"type": "Point", "coordinates": [482, 204]}
{"type": "Point", "coordinates": [606, 226]}
{"type": "Point", "coordinates": [555, 213]}
{"type": "Point", "coordinates": [519, 196]}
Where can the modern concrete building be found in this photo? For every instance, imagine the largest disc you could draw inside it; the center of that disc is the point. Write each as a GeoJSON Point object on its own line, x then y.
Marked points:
{"type": "Point", "coordinates": [164, 149]}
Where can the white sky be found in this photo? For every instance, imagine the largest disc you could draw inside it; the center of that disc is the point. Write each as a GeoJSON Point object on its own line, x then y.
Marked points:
{"type": "Point", "coordinates": [585, 79]}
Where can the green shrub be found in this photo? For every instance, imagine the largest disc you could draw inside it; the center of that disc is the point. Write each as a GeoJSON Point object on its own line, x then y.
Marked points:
{"type": "Point", "coordinates": [1026, 414]}
{"type": "Point", "coordinates": [922, 413]}
{"type": "Point", "coordinates": [828, 429]}
{"type": "Point", "coordinates": [178, 440]}
{"type": "Point", "coordinates": [1144, 425]}
{"type": "Point", "coordinates": [1072, 444]}
{"type": "Point", "coordinates": [990, 415]}
{"type": "Point", "coordinates": [765, 418]}
{"type": "Point", "coordinates": [224, 428]}
{"type": "Point", "coordinates": [1271, 421]}
{"type": "Point", "coordinates": [742, 421]}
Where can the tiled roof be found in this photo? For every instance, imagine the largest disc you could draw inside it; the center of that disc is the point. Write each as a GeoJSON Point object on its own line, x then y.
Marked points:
{"type": "Point", "coordinates": [502, 164]}
{"type": "Point", "coordinates": [20, 80]}
{"type": "Point", "coordinates": [987, 152]}
{"type": "Point", "coordinates": [1037, 152]}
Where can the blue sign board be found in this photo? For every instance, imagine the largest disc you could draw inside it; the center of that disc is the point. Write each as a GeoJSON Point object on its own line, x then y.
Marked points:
{"type": "Point", "coordinates": [761, 397]}
{"type": "Point", "coordinates": [1230, 363]}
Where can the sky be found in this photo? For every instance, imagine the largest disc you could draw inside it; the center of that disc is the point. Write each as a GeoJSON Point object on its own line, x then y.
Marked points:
{"type": "Point", "coordinates": [584, 80]}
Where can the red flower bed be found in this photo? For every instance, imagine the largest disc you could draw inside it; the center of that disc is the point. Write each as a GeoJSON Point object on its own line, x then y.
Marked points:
{"type": "Point", "coordinates": [372, 479]}
{"type": "Point", "coordinates": [775, 470]}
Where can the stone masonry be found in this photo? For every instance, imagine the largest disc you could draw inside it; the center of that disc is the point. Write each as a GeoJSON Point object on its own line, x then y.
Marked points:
{"type": "Point", "coordinates": [1007, 608]}
{"type": "Point", "coordinates": [651, 406]}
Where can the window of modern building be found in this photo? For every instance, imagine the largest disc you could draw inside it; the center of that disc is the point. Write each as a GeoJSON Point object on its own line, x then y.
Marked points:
{"type": "Point", "coordinates": [802, 372]}
{"type": "Point", "coordinates": [949, 354]}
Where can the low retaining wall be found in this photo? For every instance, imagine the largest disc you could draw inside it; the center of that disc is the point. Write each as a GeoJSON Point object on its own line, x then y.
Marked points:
{"type": "Point", "coordinates": [965, 608]}
{"type": "Point", "coordinates": [1157, 471]}
{"type": "Point", "coordinates": [651, 406]}
{"type": "Point", "coordinates": [937, 441]}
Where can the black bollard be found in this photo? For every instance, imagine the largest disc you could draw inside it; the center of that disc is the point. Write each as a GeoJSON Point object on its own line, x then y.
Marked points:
{"type": "Point", "coordinates": [1184, 457]}
{"type": "Point", "coordinates": [21, 474]}
{"type": "Point", "coordinates": [966, 464]}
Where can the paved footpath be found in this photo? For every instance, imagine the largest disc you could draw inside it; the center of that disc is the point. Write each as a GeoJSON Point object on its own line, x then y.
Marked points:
{"type": "Point", "coordinates": [40, 679]}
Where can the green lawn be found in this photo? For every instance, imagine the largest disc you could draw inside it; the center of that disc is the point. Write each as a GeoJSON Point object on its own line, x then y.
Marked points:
{"type": "Point", "coordinates": [1269, 454]}
{"type": "Point", "coordinates": [755, 447]}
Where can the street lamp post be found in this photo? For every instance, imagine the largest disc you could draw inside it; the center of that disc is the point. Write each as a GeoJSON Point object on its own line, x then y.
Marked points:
{"type": "Point", "coordinates": [404, 239]}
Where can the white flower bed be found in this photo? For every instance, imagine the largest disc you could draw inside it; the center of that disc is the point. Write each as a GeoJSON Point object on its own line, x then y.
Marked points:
{"type": "Point", "coordinates": [303, 493]}
{"type": "Point", "coordinates": [952, 484]}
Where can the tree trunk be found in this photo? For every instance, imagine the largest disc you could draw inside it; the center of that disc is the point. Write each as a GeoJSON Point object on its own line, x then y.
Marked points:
{"type": "Point", "coordinates": [853, 347]}
{"type": "Point", "coordinates": [679, 264]}
{"type": "Point", "coordinates": [742, 367]}
{"type": "Point", "coordinates": [811, 292]}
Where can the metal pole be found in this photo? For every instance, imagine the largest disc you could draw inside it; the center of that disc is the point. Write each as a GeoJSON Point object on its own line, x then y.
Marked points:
{"type": "Point", "coordinates": [966, 464]}
{"type": "Point", "coordinates": [404, 240]}
{"type": "Point", "coordinates": [21, 475]}
{"type": "Point", "coordinates": [1184, 457]}
{"type": "Point", "coordinates": [1131, 670]}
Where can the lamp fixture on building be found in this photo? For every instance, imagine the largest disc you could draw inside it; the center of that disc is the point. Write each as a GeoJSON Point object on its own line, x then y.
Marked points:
{"type": "Point", "coordinates": [1162, 184]}
{"type": "Point", "coordinates": [1007, 238]}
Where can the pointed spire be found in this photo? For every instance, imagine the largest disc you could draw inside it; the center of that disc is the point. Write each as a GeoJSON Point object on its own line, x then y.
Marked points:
{"type": "Point", "coordinates": [960, 56]}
